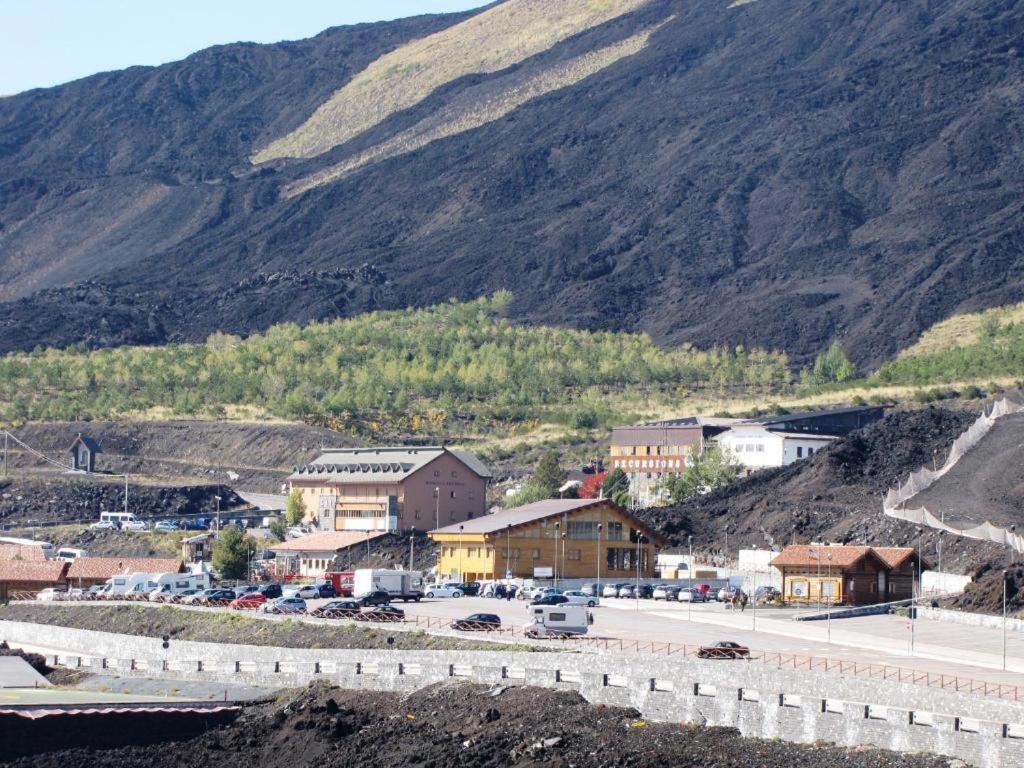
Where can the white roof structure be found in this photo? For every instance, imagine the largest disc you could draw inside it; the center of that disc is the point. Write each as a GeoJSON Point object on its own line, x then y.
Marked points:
{"type": "Point", "coordinates": [370, 465]}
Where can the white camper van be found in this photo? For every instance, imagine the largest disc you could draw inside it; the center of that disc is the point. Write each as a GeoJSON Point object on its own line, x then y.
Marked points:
{"type": "Point", "coordinates": [118, 519]}
{"type": "Point", "coordinates": [558, 620]}
{"type": "Point", "coordinates": [170, 584]}
{"type": "Point", "coordinates": [130, 584]}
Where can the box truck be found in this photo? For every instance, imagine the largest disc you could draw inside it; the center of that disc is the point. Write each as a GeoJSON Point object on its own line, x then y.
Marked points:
{"type": "Point", "coordinates": [401, 585]}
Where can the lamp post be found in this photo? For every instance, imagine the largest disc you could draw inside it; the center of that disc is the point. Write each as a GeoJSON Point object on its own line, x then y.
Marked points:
{"type": "Point", "coordinates": [412, 541]}
{"type": "Point", "coordinates": [508, 554]}
{"type": "Point", "coordinates": [563, 554]}
{"type": "Point", "coordinates": [461, 579]}
{"type": "Point", "coordinates": [217, 499]}
{"type": "Point", "coordinates": [689, 577]}
{"type": "Point", "coordinates": [831, 589]}
{"type": "Point", "coordinates": [367, 547]}
{"type": "Point", "coordinates": [437, 507]}
{"type": "Point", "coordinates": [597, 587]}
{"type": "Point", "coordinates": [1004, 620]}
{"type": "Point", "coordinates": [558, 531]}
{"type": "Point", "coordinates": [636, 592]}
{"type": "Point", "coordinates": [726, 553]}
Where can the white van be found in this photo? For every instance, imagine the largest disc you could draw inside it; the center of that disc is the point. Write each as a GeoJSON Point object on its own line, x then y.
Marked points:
{"type": "Point", "coordinates": [131, 584]}
{"type": "Point", "coordinates": [558, 620]}
{"type": "Point", "coordinates": [118, 518]}
{"type": "Point", "coordinates": [70, 554]}
{"type": "Point", "coordinates": [170, 584]}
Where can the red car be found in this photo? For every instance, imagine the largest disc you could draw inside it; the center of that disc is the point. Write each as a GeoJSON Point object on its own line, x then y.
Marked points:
{"type": "Point", "coordinates": [250, 601]}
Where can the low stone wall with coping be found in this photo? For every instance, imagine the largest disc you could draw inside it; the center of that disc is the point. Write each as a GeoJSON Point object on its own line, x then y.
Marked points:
{"type": "Point", "coordinates": [758, 700]}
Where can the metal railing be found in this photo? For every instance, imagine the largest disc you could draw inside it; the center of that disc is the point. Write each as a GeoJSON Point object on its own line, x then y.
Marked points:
{"type": "Point", "coordinates": [777, 660]}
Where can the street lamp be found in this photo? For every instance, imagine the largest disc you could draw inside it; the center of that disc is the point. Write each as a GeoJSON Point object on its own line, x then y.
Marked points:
{"type": "Point", "coordinates": [437, 507]}
{"type": "Point", "coordinates": [636, 593]}
{"type": "Point", "coordinates": [726, 545]}
{"type": "Point", "coordinates": [831, 590]}
{"type": "Point", "coordinates": [412, 541]}
{"type": "Point", "coordinates": [1004, 620]}
{"type": "Point", "coordinates": [558, 530]}
{"type": "Point", "coordinates": [563, 555]}
{"type": "Point", "coordinates": [597, 587]}
{"type": "Point", "coordinates": [217, 499]}
{"type": "Point", "coordinates": [689, 577]}
{"type": "Point", "coordinates": [461, 578]}
{"type": "Point", "coordinates": [508, 554]}
{"type": "Point", "coordinates": [368, 548]}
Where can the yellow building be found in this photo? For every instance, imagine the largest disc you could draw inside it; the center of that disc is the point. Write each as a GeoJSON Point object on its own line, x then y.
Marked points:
{"type": "Point", "coordinates": [555, 538]}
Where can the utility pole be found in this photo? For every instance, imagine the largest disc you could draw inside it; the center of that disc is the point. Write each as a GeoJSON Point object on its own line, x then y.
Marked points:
{"type": "Point", "coordinates": [558, 530]}
{"type": "Point", "coordinates": [597, 587]}
{"type": "Point", "coordinates": [126, 493]}
{"type": "Point", "coordinates": [636, 593]}
{"type": "Point", "coordinates": [1004, 620]}
{"type": "Point", "coordinates": [689, 577]}
{"type": "Point", "coordinates": [412, 540]}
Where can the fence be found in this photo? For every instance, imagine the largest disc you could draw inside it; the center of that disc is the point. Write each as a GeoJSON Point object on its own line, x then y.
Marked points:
{"type": "Point", "coordinates": [896, 499]}
{"type": "Point", "coordinates": [512, 633]}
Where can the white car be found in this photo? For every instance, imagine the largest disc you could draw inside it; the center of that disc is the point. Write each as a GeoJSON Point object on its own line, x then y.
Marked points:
{"type": "Point", "coordinates": [50, 595]}
{"type": "Point", "coordinates": [305, 591]}
{"type": "Point", "coordinates": [577, 597]}
{"type": "Point", "coordinates": [441, 590]}
{"type": "Point", "coordinates": [102, 525]}
{"type": "Point", "coordinates": [134, 525]}
{"type": "Point", "coordinates": [610, 590]}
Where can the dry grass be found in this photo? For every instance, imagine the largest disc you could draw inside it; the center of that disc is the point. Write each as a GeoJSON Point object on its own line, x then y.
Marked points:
{"type": "Point", "coordinates": [488, 42]}
{"type": "Point", "coordinates": [961, 330]}
{"type": "Point", "coordinates": [480, 106]}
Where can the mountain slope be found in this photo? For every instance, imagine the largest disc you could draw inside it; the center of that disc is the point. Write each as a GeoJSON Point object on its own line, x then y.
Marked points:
{"type": "Point", "coordinates": [777, 174]}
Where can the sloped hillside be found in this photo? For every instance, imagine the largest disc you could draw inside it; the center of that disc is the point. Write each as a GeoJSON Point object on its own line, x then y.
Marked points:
{"type": "Point", "coordinates": [836, 495]}
{"type": "Point", "coordinates": [778, 174]}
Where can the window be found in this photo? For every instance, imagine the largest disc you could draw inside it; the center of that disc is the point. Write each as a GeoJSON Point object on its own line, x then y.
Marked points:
{"type": "Point", "coordinates": [573, 554]}
{"type": "Point", "coordinates": [437, 473]}
{"type": "Point", "coordinates": [536, 554]}
{"type": "Point", "coordinates": [799, 452]}
{"type": "Point", "coordinates": [453, 494]}
{"type": "Point", "coordinates": [760, 447]}
{"type": "Point", "coordinates": [798, 588]}
{"type": "Point", "coordinates": [417, 514]}
{"type": "Point", "coordinates": [451, 515]}
{"type": "Point", "coordinates": [454, 474]}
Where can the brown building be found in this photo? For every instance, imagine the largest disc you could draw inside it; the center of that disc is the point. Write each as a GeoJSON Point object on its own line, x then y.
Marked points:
{"type": "Point", "coordinates": [29, 576]}
{"type": "Point", "coordinates": [551, 539]}
{"type": "Point", "coordinates": [88, 571]}
{"type": "Point", "coordinates": [832, 574]}
{"type": "Point", "coordinates": [388, 489]}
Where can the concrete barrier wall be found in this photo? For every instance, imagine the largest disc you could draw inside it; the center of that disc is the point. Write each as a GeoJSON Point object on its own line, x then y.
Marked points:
{"type": "Point", "coordinates": [790, 704]}
{"type": "Point", "coordinates": [970, 619]}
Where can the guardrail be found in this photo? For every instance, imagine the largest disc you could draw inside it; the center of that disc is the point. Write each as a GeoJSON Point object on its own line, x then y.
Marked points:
{"type": "Point", "coordinates": [776, 660]}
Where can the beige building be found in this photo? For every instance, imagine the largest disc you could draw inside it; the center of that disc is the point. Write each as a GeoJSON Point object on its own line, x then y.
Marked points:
{"type": "Point", "coordinates": [389, 489]}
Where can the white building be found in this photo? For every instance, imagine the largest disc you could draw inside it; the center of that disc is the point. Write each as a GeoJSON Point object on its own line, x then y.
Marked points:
{"type": "Point", "coordinates": [756, 447]}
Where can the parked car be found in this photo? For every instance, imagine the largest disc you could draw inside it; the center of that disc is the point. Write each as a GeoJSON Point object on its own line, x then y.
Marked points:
{"type": "Point", "coordinates": [197, 597]}
{"type": "Point", "coordinates": [215, 596]}
{"type": "Point", "coordinates": [706, 590]}
{"type": "Point", "coordinates": [248, 601]}
{"type": "Point", "coordinates": [579, 597]}
{"type": "Point", "coordinates": [137, 526]}
{"type": "Point", "coordinates": [645, 591]}
{"type": "Point", "coordinates": [442, 590]}
{"type": "Point", "coordinates": [478, 622]}
{"type": "Point", "coordinates": [243, 589]}
{"type": "Point", "coordinates": [377, 597]}
{"type": "Point", "coordinates": [611, 590]}
{"type": "Point", "coordinates": [50, 594]}
{"type": "Point", "coordinates": [470, 588]}
{"type": "Point", "coordinates": [725, 594]}
{"type": "Point", "coordinates": [180, 597]}
{"type": "Point", "coordinates": [549, 600]}
{"type": "Point", "coordinates": [692, 595]}
{"type": "Point", "coordinates": [766, 594]}
{"type": "Point", "coordinates": [385, 613]}
{"type": "Point", "coordinates": [337, 609]}
{"type": "Point", "coordinates": [271, 591]}
{"type": "Point", "coordinates": [284, 605]}
{"type": "Point", "coordinates": [723, 649]}
{"type": "Point", "coordinates": [103, 525]}
{"type": "Point", "coordinates": [305, 591]}
{"type": "Point", "coordinates": [326, 589]}
{"type": "Point", "coordinates": [592, 590]}
{"type": "Point", "coordinates": [666, 592]}
{"type": "Point", "coordinates": [166, 526]}
{"type": "Point", "coordinates": [627, 590]}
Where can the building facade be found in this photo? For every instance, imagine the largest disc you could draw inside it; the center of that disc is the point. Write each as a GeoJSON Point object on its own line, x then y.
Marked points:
{"type": "Point", "coordinates": [648, 453]}
{"type": "Point", "coordinates": [310, 556]}
{"type": "Point", "coordinates": [29, 576]}
{"type": "Point", "coordinates": [389, 489]}
{"type": "Point", "coordinates": [832, 575]}
{"type": "Point", "coordinates": [757, 447]}
{"type": "Point", "coordinates": [551, 539]}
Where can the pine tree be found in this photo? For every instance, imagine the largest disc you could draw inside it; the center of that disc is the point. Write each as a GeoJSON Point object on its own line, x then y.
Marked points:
{"type": "Point", "coordinates": [231, 553]}
{"type": "Point", "coordinates": [549, 475]}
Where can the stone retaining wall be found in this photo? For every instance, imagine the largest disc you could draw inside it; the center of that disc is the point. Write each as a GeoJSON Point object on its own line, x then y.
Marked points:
{"type": "Point", "coordinates": [761, 701]}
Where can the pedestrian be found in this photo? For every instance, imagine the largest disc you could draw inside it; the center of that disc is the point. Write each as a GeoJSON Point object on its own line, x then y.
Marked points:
{"type": "Point", "coordinates": [743, 602]}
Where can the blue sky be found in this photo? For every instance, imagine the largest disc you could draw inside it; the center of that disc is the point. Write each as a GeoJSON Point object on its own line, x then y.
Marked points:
{"type": "Point", "coordinates": [46, 42]}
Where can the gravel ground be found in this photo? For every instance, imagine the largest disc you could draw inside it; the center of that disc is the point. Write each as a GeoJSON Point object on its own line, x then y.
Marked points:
{"type": "Point", "coordinates": [220, 627]}
{"type": "Point", "coordinates": [468, 726]}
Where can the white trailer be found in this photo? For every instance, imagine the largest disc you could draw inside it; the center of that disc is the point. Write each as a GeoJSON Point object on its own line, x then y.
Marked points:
{"type": "Point", "coordinates": [167, 584]}
{"type": "Point", "coordinates": [129, 583]}
{"type": "Point", "coordinates": [558, 620]}
{"type": "Point", "coordinates": [403, 585]}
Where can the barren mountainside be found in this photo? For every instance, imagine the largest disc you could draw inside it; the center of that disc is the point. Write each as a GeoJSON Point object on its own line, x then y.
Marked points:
{"type": "Point", "coordinates": [781, 173]}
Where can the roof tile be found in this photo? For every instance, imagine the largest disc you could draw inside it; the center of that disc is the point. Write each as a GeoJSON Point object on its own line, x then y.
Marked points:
{"type": "Point", "coordinates": [107, 567]}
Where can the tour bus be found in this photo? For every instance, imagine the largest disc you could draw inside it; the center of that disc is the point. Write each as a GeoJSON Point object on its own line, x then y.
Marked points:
{"type": "Point", "coordinates": [118, 518]}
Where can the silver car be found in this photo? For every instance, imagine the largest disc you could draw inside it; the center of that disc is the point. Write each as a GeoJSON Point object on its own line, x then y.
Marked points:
{"type": "Point", "coordinates": [284, 605]}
